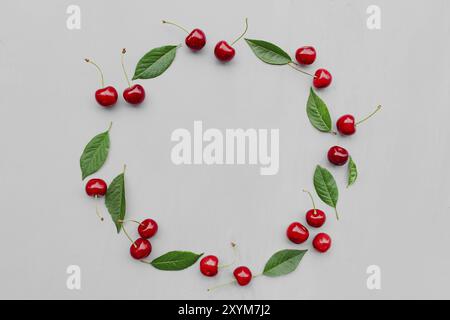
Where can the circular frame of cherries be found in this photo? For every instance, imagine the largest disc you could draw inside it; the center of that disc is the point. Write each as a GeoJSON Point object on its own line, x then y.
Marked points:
{"type": "Point", "coordinates": [152, 65]}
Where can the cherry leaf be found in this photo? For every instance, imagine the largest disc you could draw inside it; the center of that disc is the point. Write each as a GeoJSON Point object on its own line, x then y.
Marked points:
{"type": "Point", "coordinates": [155, 62]}
{"type": "Point", "coordinates": [175, 260]}
{"type": "Point", "coordinates": [352, 172]}
{"type": "Point", "coordinates": [268, 52]}
{"type": "Point", "coordinates": [318, 113]}
{"type": "Point", "coordinates": [115, 200]}
{"type": "Point", "coordinates": [326, 187]}
{"type": "Point", "coordinates": [95, 154]}
{"type": "Point", "coordinates": [283, 262]}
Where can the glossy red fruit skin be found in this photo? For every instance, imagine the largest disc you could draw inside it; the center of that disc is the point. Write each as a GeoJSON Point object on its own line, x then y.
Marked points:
{"type": "Point", "coordinates": [322, 242]}
{"type": "Point", "coordinates": [96, 188]}
{"type": "Point", "coordinates": [297, 233]}
{"type": "Point", "coordinates": [243, 275]}
{"type": "Point", "coordinates": [316, 218]}
{"type": "Point", "coordinates": [106, 97]}
{"type": "Point", "coordinates": [209, 266]}
{"type": "Point", "coordinates": [346, 125]}
{"type": "Point", "coordinates": [306, 55]}
{"type": "Point", "coordinates": [322, 78]}
{"type": "Point", "coordinates": [140, 249]}
{"type": "Point", "coordinates": [223, 51]}
{"type": "Point", "coordinates": [134, 94]}
{"type": "Point", "coordinates": [196, 40]}
{"type": "Point", "coordinates": [147, 228]}
{"type": "Point", "coordinates": [338, 155]}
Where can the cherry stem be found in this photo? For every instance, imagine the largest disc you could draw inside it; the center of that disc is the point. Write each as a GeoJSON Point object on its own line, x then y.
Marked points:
{"type": "Point", "coordinates": [128, 236]}
{"type": "Point", "coordinates": [123, 67]}
{"type": "Point", "coordinates": [125, 221]}
{"type": "Point", "coordinates": [110, 126]}
{"type": "Point", "coordinates": [233, 245]}
{"type": "Point", "coordinates": [97, 211]}
{"type": "Point", "coordinates": [312, 200]}
{"type": "Point", "coordinates": [337, 214]}
{"type": "Point", "coordinates": [297, 67]}
{"type": "Point", "coordinates": [243, 33]}
{"type": "Point", "coordinates": [221, 285]}
{"type": "Point", "coordinates": [176, 25]}
{"type": "Point", "coordinates": [369, 116]}
{"type": "Point", "coordinates": [99, 70]}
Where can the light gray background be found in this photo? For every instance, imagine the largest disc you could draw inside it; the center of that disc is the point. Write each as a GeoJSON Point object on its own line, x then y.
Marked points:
{"type": "Point", "coordinates": [396, 216]}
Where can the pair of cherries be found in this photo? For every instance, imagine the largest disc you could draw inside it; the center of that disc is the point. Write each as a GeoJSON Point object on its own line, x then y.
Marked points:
{"type": "Point", "coordinates": [196, 40]}
{"type": "Point", "coordinates": [209, 267]}
{"type": "Point", "coordinates": [306, 56]}
{"type": "Point", "coordinates": [141, 248]}
{"type": "Point", "coordinates": [346, 126]}
{"type": "Point", "coordinates": [298, 233]}
{"type": "Point", "coordinates": [107, 96]}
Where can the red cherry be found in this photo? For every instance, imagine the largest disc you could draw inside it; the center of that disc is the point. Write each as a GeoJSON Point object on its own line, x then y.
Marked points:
{"type": "Point", "coordinates": [147, 228]}
{"type": "Point", "coordinates": [243, 275]}
{"type": "Point", "coordinates": [140, 249]}
{"type": "Point", "coordinates": [338, 155]}
{"type": "Point", "coordinates": [322, 78]}
{"type": "Point", "coordinates": [306, 55]}
{"type": "Point", "coordinates": [346, 125]}
{"type": "Point", "coordinates": [196, 40]}
{"type": "Point", "coordinates": [209, 266]}
{"type": "Point", "coordinates": [96, 188]}
{"type": "Point", "coordinates": [224, 52]}
{"type": "Point", "coordinates": [134, 94]}
{"type": "Point", "coordinates": [322, 242]}
{"type": "Point", "coordinates": [297, 233]}
{"type": "Point", "coordinates": [106, 97]}
{"type": "Point", "coordinates": [316, 218]}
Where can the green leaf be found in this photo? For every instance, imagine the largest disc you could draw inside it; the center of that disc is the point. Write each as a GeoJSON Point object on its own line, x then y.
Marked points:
{"type": "Point", "coordinates": [318, 113]}
{"type": "Point", "coordinates": [283, 262]}
{"type": "Point", "coordinates": [352, 172]}
{"type": "Point", "coordinates": [155, 62]}
{"type": "Point", "coordinates": [175, 260]}
{"type": "Point", "coordinates": [94, 154]}
{"type": "Point", "coordinates": [268, 52]}
{"type": "Point", "coordinates": [326, 187]}
{"type": "Point", "coordinates": [115, 200]}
